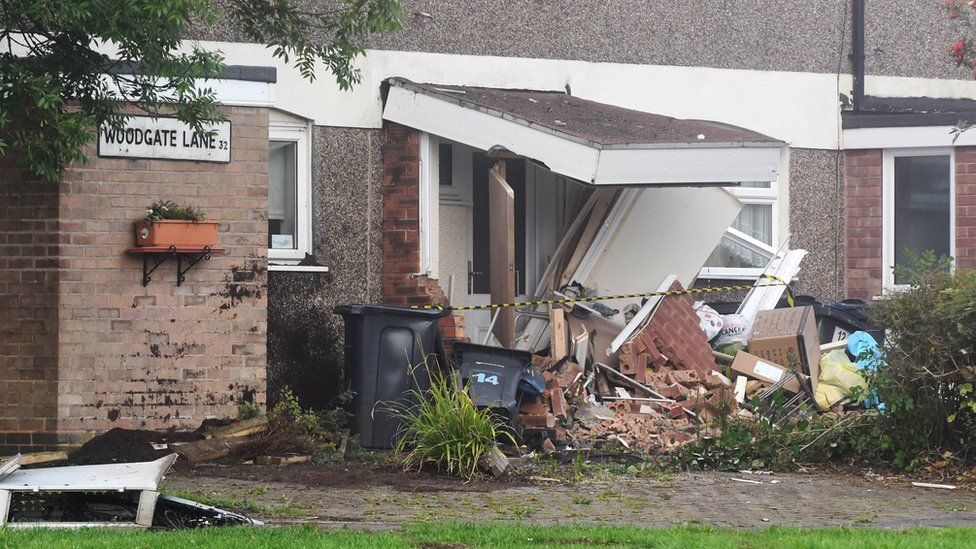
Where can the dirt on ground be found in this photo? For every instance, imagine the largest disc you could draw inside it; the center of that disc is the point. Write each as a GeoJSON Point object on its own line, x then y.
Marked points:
{"type": "Point", "coordinates": [373, 494]}
{"type": "Point", "coordinates": [128, 446]}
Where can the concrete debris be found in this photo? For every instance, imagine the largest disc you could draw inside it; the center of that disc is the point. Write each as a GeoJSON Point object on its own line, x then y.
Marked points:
{"type": "Point", "coordinates": [495, 462]}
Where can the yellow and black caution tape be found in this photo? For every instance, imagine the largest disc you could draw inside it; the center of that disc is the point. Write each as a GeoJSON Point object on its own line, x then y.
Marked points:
{"type": "Point", "coordinates": [774, 281]}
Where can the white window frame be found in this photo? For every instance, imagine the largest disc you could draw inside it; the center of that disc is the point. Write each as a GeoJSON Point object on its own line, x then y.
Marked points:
{"type": "Point", "coordinates": [429, 205]}
{"type": "Point", "coordinates": [749, 195]}
{"type": "Point", "coordinates": [888, 208]}
{"type": "Point", "coordinates": [298, 133]}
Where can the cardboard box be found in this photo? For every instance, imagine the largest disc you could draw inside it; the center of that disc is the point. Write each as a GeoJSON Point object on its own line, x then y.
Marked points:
{"type": "Point", "coordinates": [780, 335]}
{"type": "Point", "coordinates": [763, 370]}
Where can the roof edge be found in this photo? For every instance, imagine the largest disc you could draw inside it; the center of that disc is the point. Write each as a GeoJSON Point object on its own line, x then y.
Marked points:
{"type": "Point", "coordinates": [458, 99]}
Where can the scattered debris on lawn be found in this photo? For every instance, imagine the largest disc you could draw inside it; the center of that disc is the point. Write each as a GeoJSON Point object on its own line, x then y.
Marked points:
{"type": "Point", "coordinates": [116, 494]}
{"type": "Point", "coordinates": [930, 485]}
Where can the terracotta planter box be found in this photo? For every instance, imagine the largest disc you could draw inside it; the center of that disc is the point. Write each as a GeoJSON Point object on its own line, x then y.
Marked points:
{"type": "Point", "coordinates": [177, 233]}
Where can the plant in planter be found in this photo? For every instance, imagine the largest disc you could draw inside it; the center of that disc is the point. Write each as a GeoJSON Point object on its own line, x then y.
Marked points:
{"type": "Point", "coordinates": [170, 224]}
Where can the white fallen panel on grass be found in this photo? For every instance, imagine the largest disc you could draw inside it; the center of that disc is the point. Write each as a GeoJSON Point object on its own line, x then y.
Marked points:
{"type": "Point", "coordinates": [108, 477]}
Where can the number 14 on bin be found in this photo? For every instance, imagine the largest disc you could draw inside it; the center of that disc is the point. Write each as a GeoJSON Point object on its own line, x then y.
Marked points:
{"type": "Point", "coordinates": [482, 377]}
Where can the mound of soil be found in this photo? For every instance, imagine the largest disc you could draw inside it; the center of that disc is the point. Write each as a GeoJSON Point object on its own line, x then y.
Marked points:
{"type": "Point", "coordinates": [127, 446]}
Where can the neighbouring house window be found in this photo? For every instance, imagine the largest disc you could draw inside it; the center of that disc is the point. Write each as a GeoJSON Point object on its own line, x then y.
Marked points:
{"type": "Point", "coordinates": [751, 240]}
{"type": "Point", "coordinates": [289, 190]}
{"type": "Point", "coordinates": [917, 213]}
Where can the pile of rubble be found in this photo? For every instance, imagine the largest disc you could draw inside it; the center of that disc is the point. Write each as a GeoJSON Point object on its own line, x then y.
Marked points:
{"type": "Point", "coordinates": [661, 383]}
{"type": "Point", "coordinates": [666, 384]}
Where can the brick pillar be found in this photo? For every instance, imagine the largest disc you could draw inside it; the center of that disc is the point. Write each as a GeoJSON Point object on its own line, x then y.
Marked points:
{"type": "Point", "coordinates": [28, 311]}
{"type": "Point", "coordinates": [862, 214]}
{"type": "Point", "coordinates": [402, 285]}
{"type": "Point", "coordinates": [965, 253]}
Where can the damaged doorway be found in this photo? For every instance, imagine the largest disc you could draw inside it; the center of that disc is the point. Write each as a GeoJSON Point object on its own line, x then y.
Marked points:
{"type": "Point", "coordinates": [543, 205]}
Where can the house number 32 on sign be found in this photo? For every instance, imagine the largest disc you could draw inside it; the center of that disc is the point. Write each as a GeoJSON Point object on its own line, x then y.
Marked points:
{"type": "Point", "coordinates": [165, 138]}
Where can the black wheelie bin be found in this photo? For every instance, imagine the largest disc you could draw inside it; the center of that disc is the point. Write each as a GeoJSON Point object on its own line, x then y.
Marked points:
{"type": "Point", "coordinates": [385, 351]}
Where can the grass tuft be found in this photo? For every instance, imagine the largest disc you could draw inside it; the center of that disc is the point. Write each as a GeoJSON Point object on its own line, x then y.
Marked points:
{"type": "Point", "coordinates": [446, 429]}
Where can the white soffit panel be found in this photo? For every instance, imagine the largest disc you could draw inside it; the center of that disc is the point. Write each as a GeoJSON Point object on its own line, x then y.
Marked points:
{"type": "Point", "coordinates": [678, 165]}
{"type": "Point", "coordinates": [484, 131]}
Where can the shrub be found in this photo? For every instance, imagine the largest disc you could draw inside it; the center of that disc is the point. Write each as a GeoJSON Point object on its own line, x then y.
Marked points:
{"type": "Point", "coordinates": [167, 209]}
{"type": "Point", "coordinates": [248, 410]}
{"type": "Point", "coordinates": [446, 429]}
{"type": "Point", "coordinates": [759, 444]}
{"type": "Point", "coordinates": [926, 383]}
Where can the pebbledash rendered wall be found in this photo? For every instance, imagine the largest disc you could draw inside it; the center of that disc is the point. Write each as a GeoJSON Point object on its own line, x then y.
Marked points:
{"type": "Point", "coordinates": [84, 347]}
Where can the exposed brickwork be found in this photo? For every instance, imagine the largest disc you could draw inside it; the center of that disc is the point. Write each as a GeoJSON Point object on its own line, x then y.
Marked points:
{"type": "Point", "coordinates": [862, 213]}
{"type": "Point", "coordinates": [966, 207]}
{"type": "Point", "coordinates": [162, 356]}
{"type": "Point", "coordinates": [401, 218]}
{"type": "Point", "coordinates": [402, 286]}
{"type": "Point", "coordinates": [672, 337]}
{"type": "Point", "coordinates": [28, 310]}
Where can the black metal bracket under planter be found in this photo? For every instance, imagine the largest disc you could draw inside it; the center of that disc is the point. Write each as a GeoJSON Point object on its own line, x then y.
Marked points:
{"type": "Point", "coordinates": [154, 256]}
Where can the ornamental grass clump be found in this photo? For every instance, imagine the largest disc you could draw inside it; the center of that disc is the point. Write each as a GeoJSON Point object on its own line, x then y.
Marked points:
{"type": "Point", "coordinates": [447, 430]}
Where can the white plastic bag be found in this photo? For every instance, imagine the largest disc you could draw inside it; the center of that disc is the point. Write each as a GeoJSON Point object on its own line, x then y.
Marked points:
{"type": "Point", "coordinates": [709, 320]}
{"type": "Point", "coordinates": [735, 329]}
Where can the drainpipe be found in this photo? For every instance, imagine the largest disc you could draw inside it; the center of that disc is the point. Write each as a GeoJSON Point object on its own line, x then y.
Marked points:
{"type": "Point", "coordinates": [857, 53]}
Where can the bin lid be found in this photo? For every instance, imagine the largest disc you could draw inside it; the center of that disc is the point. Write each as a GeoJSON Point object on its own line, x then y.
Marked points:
{"type": "Point", "coordinates": [363, 310]}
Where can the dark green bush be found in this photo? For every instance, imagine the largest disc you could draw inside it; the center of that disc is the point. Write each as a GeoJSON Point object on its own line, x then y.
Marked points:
{"type": "Point", "coordinates": [926, 383]}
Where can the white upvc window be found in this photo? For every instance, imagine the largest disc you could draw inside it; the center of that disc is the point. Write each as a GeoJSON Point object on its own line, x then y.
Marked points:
{"type": "Point", "coordinates": [748, 244]}
{"type": "Point", "coordinates": [289, 192]}
{"type": "Point", "coordinates": [918, 197]}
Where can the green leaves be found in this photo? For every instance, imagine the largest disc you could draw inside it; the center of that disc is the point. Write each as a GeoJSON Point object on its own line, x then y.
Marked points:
{"type": "Point", "coordinates": [928, 355]}
{"type": "Point", "coordinates": [57, 84]}
{"type": "Point", "coordinates": [446, 429]}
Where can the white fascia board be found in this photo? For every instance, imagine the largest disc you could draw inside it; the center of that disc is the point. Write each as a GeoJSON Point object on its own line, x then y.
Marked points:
{"type": "Point", "coordinates": [243, 93]}
{"type": "Point", "coordinates": [900, 138]}
{"type": "Point", "coordinates": [485, 131]}
{"type": "Point", "coordinates": [687, 165]}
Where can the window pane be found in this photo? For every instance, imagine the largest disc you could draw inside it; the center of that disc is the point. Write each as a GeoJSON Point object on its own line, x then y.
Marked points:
{"type": "Point", "coordinates": [282, 192]}
{"type": "Point", "coordinates": [755, 185]}
{"type": "Point", "coordinates": [445, 159]}
{"type": "Point", "coordinates": [921, 207]}
{"type": "Point", "coordinates": [756, 220]}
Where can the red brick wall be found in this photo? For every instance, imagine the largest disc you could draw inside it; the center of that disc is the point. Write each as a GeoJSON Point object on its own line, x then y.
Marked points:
{"type": "Point", "coordinates": [862, 212]}
{"type": "Point", "coordinates": [28, 311]}
{"type": "Point", "coordinates": [124, 355]}
{"type": "Point", "coordinates": [966, 207]}
{"type": "Point", "coordinates": [402, 285]}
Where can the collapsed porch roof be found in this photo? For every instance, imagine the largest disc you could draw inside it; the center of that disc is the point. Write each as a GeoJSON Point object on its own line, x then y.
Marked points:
{"type": "Point", "coordinates": [592, 142]}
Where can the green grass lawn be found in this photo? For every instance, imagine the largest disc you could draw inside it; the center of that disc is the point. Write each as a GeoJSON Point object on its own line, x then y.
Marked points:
{"type": "Point", "coordinates": [463, 535]}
